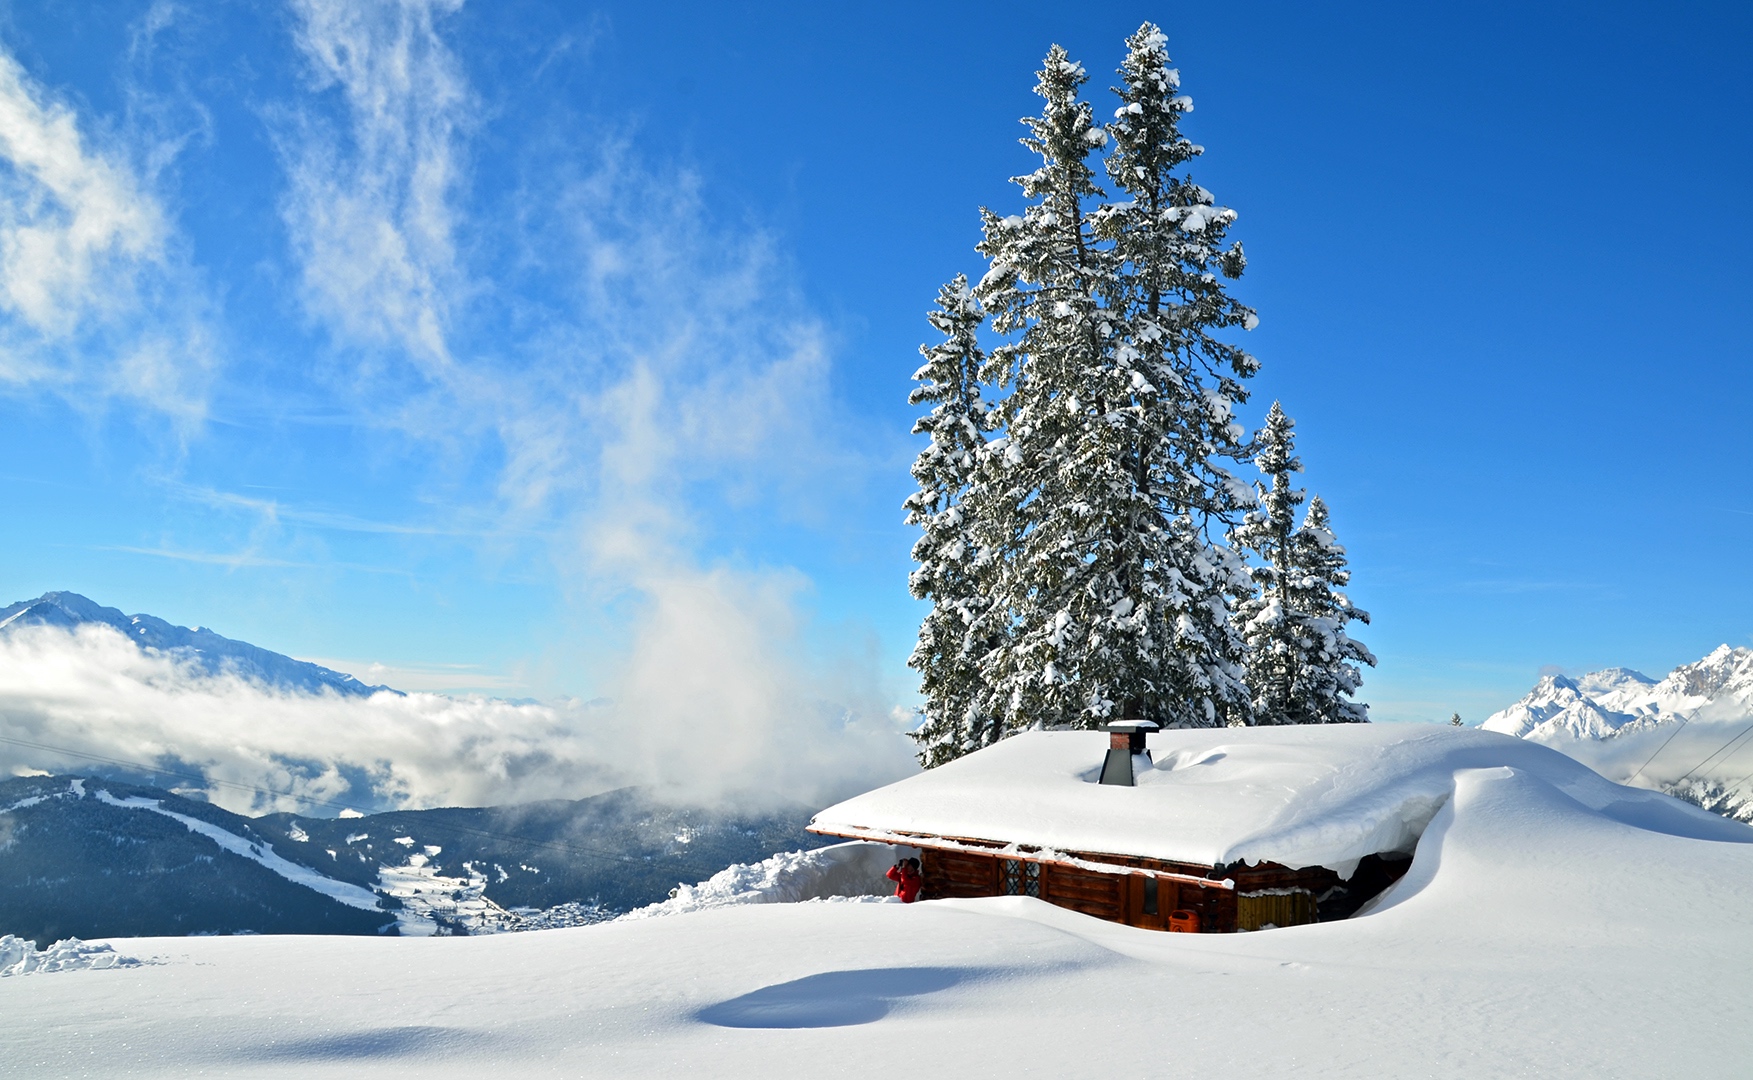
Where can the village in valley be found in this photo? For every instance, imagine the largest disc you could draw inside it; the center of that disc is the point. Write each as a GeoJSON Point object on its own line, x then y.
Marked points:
{"type": "Point", "coordinates": [1014, 719]}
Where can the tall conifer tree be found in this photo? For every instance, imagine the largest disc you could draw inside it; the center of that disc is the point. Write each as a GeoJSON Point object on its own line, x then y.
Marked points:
{"type": "Point", "coordinates": [1047, 290]}
{"type": "Point", "coordinates": [1118, 417]}
{"type": "Point", "coordinates": [1181, 383]}
{"type": "Point", "coordinates": [955, 569]}
{"type": "Point", "coordinates": [1331, 673]}
{"type": "Point", "coordinates": [1302, 665]}
{"type": "Point", "coordinates": [1268, 621]}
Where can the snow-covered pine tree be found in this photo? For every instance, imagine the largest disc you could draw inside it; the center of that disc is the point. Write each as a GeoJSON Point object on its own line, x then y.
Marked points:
{"type": "Point", "coordinates": [1269, 623]}
{"type": "Point", "coordinates": [1176, 384]}
{"type": "Point", "coordinates": [1077, 645]}
{"type": "Point", "coordinates": [1330, 674]}
{"type": "Point", "coordinates": [1302, 665]}
{"type": "Point", "coordinates": [1118, 416]}
{"type": "Point", "coordinates": [954, 571]}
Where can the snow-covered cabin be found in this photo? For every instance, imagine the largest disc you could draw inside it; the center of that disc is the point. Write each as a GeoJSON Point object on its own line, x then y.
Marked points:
{"type": "Point", "coordinates": [1220, 830]}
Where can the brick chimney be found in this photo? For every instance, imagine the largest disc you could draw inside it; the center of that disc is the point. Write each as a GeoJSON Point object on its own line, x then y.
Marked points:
{"type": "Point", "coordinates": [1125, 739]}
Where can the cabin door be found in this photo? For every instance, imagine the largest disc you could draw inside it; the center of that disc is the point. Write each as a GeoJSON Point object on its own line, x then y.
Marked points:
{"type": "Point", "coordinates": [1149, 899]}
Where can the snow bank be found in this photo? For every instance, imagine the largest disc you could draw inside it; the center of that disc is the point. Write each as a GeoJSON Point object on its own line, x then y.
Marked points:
{"type": "Point", "coordinates": [842, 871]}
{"type": "Point", "coordinates": [1300, 796]}
{"type": "Point", "coordinates": [20, 956]}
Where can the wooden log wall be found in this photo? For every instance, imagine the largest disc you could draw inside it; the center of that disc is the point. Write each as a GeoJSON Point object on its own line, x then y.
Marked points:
{"type": "Point", "coordinates": [1095, 894]}
{"type": "Point", "coordinates": [1124, 897]}
{"type": "Point", "coordinates": [957, 873]}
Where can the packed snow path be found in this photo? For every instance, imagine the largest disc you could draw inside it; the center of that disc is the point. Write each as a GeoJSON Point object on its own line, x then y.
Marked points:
{"type": "Point", "coordinates": [1534, 937]}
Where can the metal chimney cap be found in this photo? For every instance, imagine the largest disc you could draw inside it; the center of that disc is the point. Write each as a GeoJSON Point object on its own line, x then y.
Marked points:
{"type": "Point", "coordinates": [1132, 725]}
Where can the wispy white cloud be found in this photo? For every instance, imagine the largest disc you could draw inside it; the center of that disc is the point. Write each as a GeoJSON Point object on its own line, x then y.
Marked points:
{"type": "Point", "coordinates": [94, 301]}
{"type": "Point", "coordinates": [664, 351]}
{"type": "Point", "coordinates": [370, 207]}
{"type": "Point", "coordinates": [237, 560]}
{"type": "Point", "coordinates": [274, 511]}
{"type": "Point", "coordinates": [70, 212]}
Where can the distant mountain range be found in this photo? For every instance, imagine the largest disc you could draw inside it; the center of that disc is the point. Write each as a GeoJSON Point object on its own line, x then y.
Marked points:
{"type": "Point", "coordinates": [1618, 700]}
{"type": "Point", "coordinates": [1689, 733]}
{"type": "Point", "coordinates": [91, 858]}
{"type": "Point", "coordinates": [214, 653]}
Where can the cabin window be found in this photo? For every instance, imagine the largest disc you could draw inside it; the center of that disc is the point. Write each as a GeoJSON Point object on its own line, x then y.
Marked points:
{"type": "Point", "coordinates": [1150, 896]}
{"type": "Point", "coordinates": [1021, 878]}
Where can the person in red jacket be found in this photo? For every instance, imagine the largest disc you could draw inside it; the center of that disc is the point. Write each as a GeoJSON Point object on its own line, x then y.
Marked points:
{"type": "Point", "coordinates": [905, 875]}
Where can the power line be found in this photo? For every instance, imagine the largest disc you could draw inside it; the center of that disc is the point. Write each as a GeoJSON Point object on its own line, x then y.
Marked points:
{"type": "Point", "coordinates": [1742, 734]}
{"type": "Point", "coordinates": [1664, 746]}
{"type": "Point", "coordinates": [154, 770]}
{"type": "Point", "coordinates": [1737, 784]}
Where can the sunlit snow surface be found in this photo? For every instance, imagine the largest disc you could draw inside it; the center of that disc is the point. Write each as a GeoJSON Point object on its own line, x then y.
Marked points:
{"type": "Point", "coordinates": [1534, 936]}
{"type": "Point", "coordinates": [1300, 796]}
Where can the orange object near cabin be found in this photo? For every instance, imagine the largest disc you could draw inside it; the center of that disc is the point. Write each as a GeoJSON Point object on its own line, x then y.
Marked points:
{"type": "Point", "coordinates": [1184, 922]}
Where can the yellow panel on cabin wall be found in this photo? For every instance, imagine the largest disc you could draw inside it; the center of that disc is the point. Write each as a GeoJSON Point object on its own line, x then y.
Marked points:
{"type": "Point", "coordinates": [1274, 907]}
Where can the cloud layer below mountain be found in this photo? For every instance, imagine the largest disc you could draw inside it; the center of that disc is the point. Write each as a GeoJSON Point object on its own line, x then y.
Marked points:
{"type": "Point", "coordinates": [687, 720]}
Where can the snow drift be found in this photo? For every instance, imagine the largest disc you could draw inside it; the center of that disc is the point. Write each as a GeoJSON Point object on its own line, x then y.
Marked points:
{"type": "Point", "coordinates": [841, 871]}
{"type": "Point", "coordinates": [20, 956]}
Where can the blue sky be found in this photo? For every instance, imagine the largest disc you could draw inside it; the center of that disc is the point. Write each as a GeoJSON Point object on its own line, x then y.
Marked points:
{"type": "Point", "coordinates": [483, 342]}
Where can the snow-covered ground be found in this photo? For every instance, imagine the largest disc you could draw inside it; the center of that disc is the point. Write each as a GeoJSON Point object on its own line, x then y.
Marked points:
{"type": "Point", "coordinates": [1534, 937]}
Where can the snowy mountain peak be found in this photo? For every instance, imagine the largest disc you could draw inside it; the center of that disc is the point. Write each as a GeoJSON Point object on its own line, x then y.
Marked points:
{"type": "Point", "coordinates": [1612, 680]}
{"type": "Point", "coordinates": [214, 653]}
{"type": "Point", "coordinates": [1726, 672]}
{"type": "Point", "coordinates": [1606, 702]}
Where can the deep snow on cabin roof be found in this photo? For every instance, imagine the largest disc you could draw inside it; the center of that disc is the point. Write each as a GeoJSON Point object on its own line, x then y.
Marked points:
{"type": "Point", "coordinates": [1298, 796]}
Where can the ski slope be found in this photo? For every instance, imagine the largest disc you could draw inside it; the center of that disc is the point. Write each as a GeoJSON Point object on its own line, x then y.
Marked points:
{"type": "Point", "coordinates": [351, 895]}
{"type": "Point", "coordinates": [1533, 937]}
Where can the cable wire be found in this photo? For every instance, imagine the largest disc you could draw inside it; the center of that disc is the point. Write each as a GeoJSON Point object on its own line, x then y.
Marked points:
{"type": "Point", "coordinates": [1742, 734]}
{"type": "Point", "coordinates": [1664, 746]}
